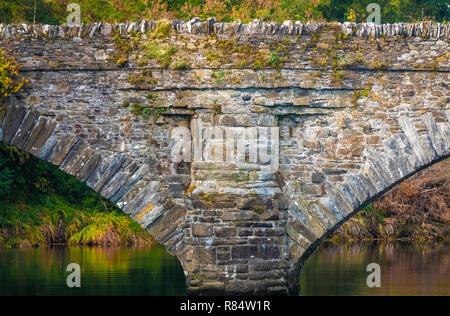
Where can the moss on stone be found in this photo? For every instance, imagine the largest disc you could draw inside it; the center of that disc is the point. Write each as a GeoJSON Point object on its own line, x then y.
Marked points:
{"type": "Point", "coordinates": [163, 53]}
{"type": "Point", "coordinates": [151, 96]}
{"type": "Point", "coordinates": [150, 110]}
{"type": "Point", "coordinates": [123, 48]}
{"type": "Point", "coordinates": [162, 30]}
{"type": "Point", "coordinates": [220, 76]}
{"type": "Point", "coordinates": [338, 77]}
{"type": "Point", "coordinates": [242, 177]}
{"type": "Point", "coordinates": [217, 108]}
{"type": "Point", "coordinates": [145, 77]}
{"type": "Point", "coordinates": [258, 209]}
{"type": "Point", "coordinates": [365, 92]}
{"type": "Point", "coordinates": [274, 60]}
{"type": "Point", "coordinates": [360, 93]}
{"type": "Point", "coordinates": [180, 65]}
{"type": "Point", "coordinates": [379, 64]}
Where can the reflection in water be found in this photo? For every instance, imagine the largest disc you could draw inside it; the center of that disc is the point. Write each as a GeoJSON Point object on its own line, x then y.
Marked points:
{"type": "Point", "coordinates": [406, 269]}
{"type": "Point", "coordinates": [104, 271]}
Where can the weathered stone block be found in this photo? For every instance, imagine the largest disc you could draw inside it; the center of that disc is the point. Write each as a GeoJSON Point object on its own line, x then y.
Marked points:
{"type": "Point", "coordinates": [225, 256]}
{"type": "Point", "coordinates": [225, 232]}
{"type": "Point", "coordinates": [244, 252]}
{"type": "Point", "coordinates": [303, 101]}
{"type": "Point", "coordinates": [250, 203]}
{"type": "Point", "coordinates": [202, 230]}
{"type": "Point", "coordinates": [14, 117]}
{"type": "Point", "coordinates": [204, 255]}
{"type": "Point", "coordinates": [317, 177]}
{"type": "Point", "coordinates": [269, 252]}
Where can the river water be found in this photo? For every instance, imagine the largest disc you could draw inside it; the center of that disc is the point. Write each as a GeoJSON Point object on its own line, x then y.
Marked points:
{"type": "Point", "coordinates": [406, 269]}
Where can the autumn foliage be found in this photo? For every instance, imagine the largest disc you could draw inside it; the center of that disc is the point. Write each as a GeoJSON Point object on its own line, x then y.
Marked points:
{"type": "Point", "coordinates": [10, 82]}
{"type": "Point", "coordinates": [54, 11]}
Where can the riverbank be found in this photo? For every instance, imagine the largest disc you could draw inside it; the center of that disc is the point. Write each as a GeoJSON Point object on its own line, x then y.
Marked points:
{"type": "Point", "coordinates": [417, 209]}
{"type": "Point", "coordinates": [59, 223]}
{"type": "Point", "coordinates": [41, 205]}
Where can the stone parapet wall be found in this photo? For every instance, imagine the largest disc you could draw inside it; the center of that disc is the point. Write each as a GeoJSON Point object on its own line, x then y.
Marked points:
{"type": "Point", "coordinates": [426, 30]}
{"type": "Point", "coordinates": [246, 59]}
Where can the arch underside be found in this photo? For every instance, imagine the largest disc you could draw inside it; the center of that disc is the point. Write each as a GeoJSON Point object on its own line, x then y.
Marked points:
{"type": "Point", "coordinates": [401, 156]}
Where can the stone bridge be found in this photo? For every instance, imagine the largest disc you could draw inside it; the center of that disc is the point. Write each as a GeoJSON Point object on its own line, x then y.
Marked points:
{"type": "Point", "coordinates": [344, 112]}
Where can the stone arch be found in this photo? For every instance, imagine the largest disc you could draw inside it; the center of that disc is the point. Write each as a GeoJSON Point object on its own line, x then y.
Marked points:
{"type": "Point", "coordinates": [114, 175]}
{"type": "Point", "coordinates": [401, 156]}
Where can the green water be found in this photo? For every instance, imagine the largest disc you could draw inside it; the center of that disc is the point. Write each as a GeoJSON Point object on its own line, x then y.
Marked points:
{"type": "Point", "coordinates": [104, 271]}
{"type": "Point", "coordinates": [406, 269]}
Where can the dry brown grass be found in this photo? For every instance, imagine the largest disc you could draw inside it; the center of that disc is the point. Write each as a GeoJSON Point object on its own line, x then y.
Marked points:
{"type": "Point", "coordinates": [424, 198]}
{"type": "Point", "coordinates": [416, 209]}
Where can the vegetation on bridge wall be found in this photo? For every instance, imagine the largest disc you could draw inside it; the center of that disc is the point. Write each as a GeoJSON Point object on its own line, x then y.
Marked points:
{"type": "Point", "coordinates": [10, 81]}
{"type": "Point", "coordinates": [54, 11]}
